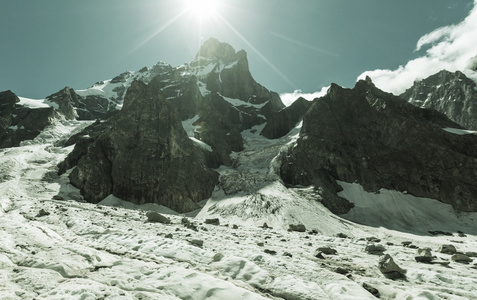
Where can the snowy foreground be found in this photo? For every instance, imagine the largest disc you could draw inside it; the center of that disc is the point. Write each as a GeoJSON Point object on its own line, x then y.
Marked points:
{"type": "Point", "coordinates": [66, 249]}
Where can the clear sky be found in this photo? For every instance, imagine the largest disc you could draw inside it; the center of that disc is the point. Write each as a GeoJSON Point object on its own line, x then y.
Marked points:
{"type": "Point", "coordinates": [300, 44]}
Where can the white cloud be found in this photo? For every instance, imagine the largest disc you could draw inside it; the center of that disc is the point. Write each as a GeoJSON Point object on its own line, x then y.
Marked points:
{"type": "Point", "coordinates": [451, 47]}
{"type": "Point", "coordinates": [289, 98]}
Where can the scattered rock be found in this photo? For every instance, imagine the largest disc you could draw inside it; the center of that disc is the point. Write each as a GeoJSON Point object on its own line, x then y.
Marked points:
{"type": "Point", "coordinates": [287, 254]}
{"type": "Point", "coordinates": [319, 255]}
{"type": "Point", "coordinates": [461, 258]}
{"type": "Point", "coordinates": [326, 250]}
{"type": "Point", "coordinates": [265, 226]}
{"type": "Point", "coordinates": [313, 232]}
{"type": "Point", "coordinates": [185, 221]}
{"type": "Point", "coordinates": [218, 257]}
{"type": "Point", "coordinates": [341, 270]}
{"type": "Point", "coordinates": [42, 213]}
{"type": "Point", "coordinates": [58, 197]}
{"type": "Point", "coordinates": [440, 262]}
{"type": "Point", "coordinates": [424, 255]}
{"type": "Point", "coordinates": [297, 227]}
{"type": "Point", "coordinates": [372, 290]}
{"type": "Point", "coordinates": [447, 249]}
{"type": "Point", "coordinates": [198, 243]}
{"type": "Point", "coordinates": [390, 269]}
{"type": "Point", "coordinates": [271, 252]}
{"type": "Point", "coordinates": [440, 232]}
{"type": "Point", "coordinates": [373, 239]}
{"type": "Point", "coordinates": [155, 217]}
{"type": "Point", "coordinates": [260, 244]}
{"type": "Point", "coordinates": [375, 249]}
{"type": "Point", "coordinates": [471, 254]}
{"type": "Point", "coordinates": [406, 243]}
{"type": "Point", "coordinates": [234, 226]}
{"type": "Point", "coordinates": [342, 235]}
{"type": "Point", "coordinates": [215, 221]}
{"type": "Point", "coordinates": [168, 236]}
{"type": "Point", "coordinates": [390, 243]}
{"type": "Point", "coordinates": [413, 247]}
{"type": "Point", "coordinates": [461, 234]}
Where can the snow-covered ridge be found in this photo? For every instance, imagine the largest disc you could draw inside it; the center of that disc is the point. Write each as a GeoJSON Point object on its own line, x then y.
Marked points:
{"type": "Point", "coordinates": [36, 103]}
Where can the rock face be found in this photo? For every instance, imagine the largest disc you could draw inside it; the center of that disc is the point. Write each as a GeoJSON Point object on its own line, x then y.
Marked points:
{"type": "Point", "coordinates": [19, 123]}
{"type": "Point", "coordinates": [453, 94]}
{"type": "Point", "coordinates": [64, 100]}
{"type": "Point", "coordinates": [145, 157]}
{"type": "Point", "coordinates": [281, 122]}
{"type": "Point", "coordinates": [367, 136]}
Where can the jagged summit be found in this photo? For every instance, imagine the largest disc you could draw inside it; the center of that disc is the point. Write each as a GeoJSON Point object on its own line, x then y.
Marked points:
{"type": "Point", "coordinates": [213, 48]}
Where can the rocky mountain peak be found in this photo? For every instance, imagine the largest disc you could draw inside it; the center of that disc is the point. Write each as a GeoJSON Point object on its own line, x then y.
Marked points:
{"type": "Point", "coordinates": [213, 48]}
{"type": "Point", "coordinates": [65, 100]}
{"type": "Point", "coordinates": [451, 93]}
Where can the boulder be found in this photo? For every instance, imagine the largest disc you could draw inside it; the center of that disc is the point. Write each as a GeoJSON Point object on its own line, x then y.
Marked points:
{"type": "Point", "coordinates": [375, 249]}
{"type": "Point", "coordinates": [390, 269]}
{"type": "Point", "coordinates": [424, 255]}
{"type": "Point", "coordinates": [64, 101]}
{"type": "Point", "coordinates": [155, 217]}
{"type": "Point", "coordinates": [297, 227]}
{"type": "Point", "coordinates": [326, 250]}
{"type": "Point", "coordinates": [447, 249]}
{"type": "Point", "coordinates": [462, 258]}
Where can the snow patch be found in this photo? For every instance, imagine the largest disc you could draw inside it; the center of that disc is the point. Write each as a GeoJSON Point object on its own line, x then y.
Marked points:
{"type": "Point", "coordinates": [459, 131]}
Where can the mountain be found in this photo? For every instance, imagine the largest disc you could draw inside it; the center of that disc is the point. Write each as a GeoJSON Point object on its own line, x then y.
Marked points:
{"type": "Point", "coordinates": [453, 94]}
{"type": "Point", "coordinates": [373, 138]}
{"type": "Point", "coordinates": [146, 155]}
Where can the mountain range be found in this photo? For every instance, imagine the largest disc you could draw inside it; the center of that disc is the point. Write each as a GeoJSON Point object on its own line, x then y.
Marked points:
{"type": "Point", "coordinates": [206, 141]}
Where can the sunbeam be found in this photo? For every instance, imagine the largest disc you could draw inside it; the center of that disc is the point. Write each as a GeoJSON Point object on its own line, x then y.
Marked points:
{"type": "Point", "coordinates": [169, 23]}
{"type": "Point", "coordinates": [304, 45]}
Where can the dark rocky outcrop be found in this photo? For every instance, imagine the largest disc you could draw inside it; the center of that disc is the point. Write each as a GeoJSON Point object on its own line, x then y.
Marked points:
{"type": "Point", "coordinates": [281, 122]}
{"type": "Point", "coordinates": [367, 136]}
{"type": "Point", "coordinates": [453, 94]}
{"type": "Point", "coordinates": [145, 157]}
{"type": "Point", "coordinates": [64, 100]}
{"type": "Point", "coordinates": [19, 123]}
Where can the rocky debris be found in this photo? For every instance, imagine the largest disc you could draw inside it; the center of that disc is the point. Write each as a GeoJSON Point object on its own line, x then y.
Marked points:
{"type": "Point", "coordinates": [326, 250]}
{"type": "Point", "coordinates": [374, 291]}
{"type": "Point", "coordinates": [287, 254]}
{"type": "Point", "coordinates": [271, 252]}
{"type": "Point", "coordinates": [342, 235]}
{"type": "Point", "coordinates": [367, 136]}
{"type": "Point", "coordinates": [447, 249]}
{"type": "Point", "coordinates": [42, 213]}
{"type": "Point", "coordinates": [406, 243]}
{"type": "Point", "coordinates": [155, 162]}
{"type": "Point", "coordinates": [461, 258]}
{"type": "Point", "coordinates": [376, 249]}
{"type": "Point", "coordinates": [390, 269]}
{"type": "Point", "coordinates": [471, 254]}
{"type": "Point", "coordinates": [373, 239]}
{"type": "Point", "coordinates": [155, 217]}
{"type": "Point", "coordinates": [281, 122]}
{"type": "Point", "coordinates": [440, 232]}
{"type": "Point", "coordinates": [342, 271]}
{"type": "Point", "coordinates": [218, 257]}
{"type": "Point", "coordinates": [214, 221]}
{"type": "Point", "coordinates": [197, 243]}
{"type": "Point", "coordinates": [297, 227]}
{"type": "Point", "coordinates": [168, 236]}
{"type": "Point", "coordinates": [424, 255]}
{"type": "Point", "coordinates": [19, 123]}
{"type": "Point", "coordinates": [265, 226]}
{"type": "Point", "coordinates": [453, 94]}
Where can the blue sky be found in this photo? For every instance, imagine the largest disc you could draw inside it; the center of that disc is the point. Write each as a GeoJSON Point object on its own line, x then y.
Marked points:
{"type": "Point", "coordinates": [301, 44]}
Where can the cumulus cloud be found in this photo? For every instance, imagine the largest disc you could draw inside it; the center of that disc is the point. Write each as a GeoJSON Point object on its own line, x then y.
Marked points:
{"type": "Point", "coordinates": [289, 98]}
{"type": "Point", "coordinates": [451, 47]}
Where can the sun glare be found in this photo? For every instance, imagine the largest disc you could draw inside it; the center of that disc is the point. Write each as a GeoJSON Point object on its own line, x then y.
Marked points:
{"type": "Point", "coordinates": [203, 9]}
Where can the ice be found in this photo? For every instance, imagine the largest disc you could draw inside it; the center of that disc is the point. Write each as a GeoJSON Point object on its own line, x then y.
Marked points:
{"type": "Point", "coordinates": [459, 131]}
{"type": "Point", "coordinates": [33, 103]}
{"type": "Point", "coordinates": [109, 250]}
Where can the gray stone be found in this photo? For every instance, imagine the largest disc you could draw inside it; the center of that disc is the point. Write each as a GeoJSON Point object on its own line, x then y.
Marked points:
{"type": "Point", "coordinates": [326, 250]}
{"type": "Point", "coordinates": [424, 255]}
{"type": "Point", "coordinates": [155, 217]}
{"type": "Point", "coordinates": [218, 257]}
{"type": "Point", "coordinates": [375, 248]}
{"type": "Point", "coordinates": [390, 269]}
{"type": "Point", "coordinates": [214, 221]}
{"type": "Point", "coordinates": [198, 243]}
{"type": "Point", "coordinates": [447, 249]}
{"type": "Point", "coordinates": [297, 227]}
{"type": "Point", "coordinates": [462, 258]}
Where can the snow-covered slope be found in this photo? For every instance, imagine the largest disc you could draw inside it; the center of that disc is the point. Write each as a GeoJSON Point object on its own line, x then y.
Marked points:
{"type": "Point", "coordinates": [66, 249]}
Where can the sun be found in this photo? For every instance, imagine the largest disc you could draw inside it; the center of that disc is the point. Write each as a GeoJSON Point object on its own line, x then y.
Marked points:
{"type": "Point", "coordinates": [203, 9]}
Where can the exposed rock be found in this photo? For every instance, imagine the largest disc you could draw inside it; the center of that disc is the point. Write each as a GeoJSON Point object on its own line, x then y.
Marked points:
{"type": "Point", "coordinates": [218, 257]}
{"type": "Point", "coordinates": [19, 123]}
{"type": "Point", "coordinates": [281, 122]}
{"type": "Point", "coordinates": [462, 258]}
{"type": "Point", "coordinates": [471, 254]}
{"type": "Point", "coordinates": [326, 250]}
{"type": "Point", "coordinates": [367, 136]}
{"type": "Point", "coordinates": [372, 290]}
{"type": "Point", "coordinates": [375, 249]}
{"type": "Point", "coordinates": [453, 94]}
{"type": "Point", "coordinates": [406, 243]}
{"type": "Point", "coordinates": [271, 252]}
{"type": "Point", "coordinates": [390, 269]}
{"type": "Point", "coordinates": [297, 227]}
{"type": "Point", "coordinates": [342, 271]}
{"type": "Point", "coordinates": [43, 213]}
{"type": "Point", "coordinates": [447, 249]}
{"type": "Point", "coordinates": [65, 99]}
{"type": "Point", "coordinates": [424, 255]}
{"type": "Point", "coordinates": [145, 157]}
{"type": "Point", "coordinates": [155, 217]}
{"type": "Point", "coordinates": [198, 243]}
{"type": "Point", "coordinates": [214, 221]}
